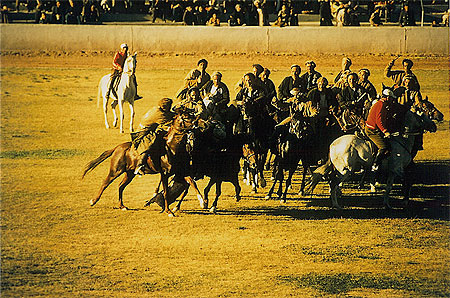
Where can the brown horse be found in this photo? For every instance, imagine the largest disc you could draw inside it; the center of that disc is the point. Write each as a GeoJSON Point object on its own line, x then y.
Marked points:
{"type": "Point", "coordinates": [171, 158]}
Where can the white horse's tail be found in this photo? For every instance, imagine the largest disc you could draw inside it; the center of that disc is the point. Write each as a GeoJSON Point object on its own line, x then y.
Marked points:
{"type": "Point", "coordinates": [317, 176]}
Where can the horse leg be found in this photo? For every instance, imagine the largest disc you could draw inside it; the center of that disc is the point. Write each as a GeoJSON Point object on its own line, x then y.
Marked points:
{"type": "Point", "coordinates": [389, 185]}
{"type": "Point", "coordinates": [288, 182]}
{"type": "Point", "coordinates": [195, 187]}
{"type": "Point", "coordinates": [178, 206]}
{"type": "Point", "coordinates": [335, 189]}
{"type": "Point", "coordinates": [113, 108]}
{"type": "Point", "coordinates": [121, 114]}
{"type": "Point", "coordinates": [218, 193]}
{"type": "Point", "coordinates": [237, 188]}
{"type": "Point", "coordinates": [157, 189]}
{"type": "Point", "coordinates": [112, 175]}
{"type": "Point", "coordinates": [207, 189]}
{"type": "Point", "coordinates": [260, 169]}
{"type": "Point", "coordinates": [129, 175]}
{"type": "Point", "coordinates": [164, 181]}
{"type": "Point", "coordinates": [105, 111]}
{"type": "Point", "coordinates": [302, 186]}
{"type": "Point", "coordinates": [132, 117]}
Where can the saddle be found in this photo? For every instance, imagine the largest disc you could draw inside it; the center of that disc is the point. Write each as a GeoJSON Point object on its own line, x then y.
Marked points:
{"type": "Point", "coordinates": [349, 121]}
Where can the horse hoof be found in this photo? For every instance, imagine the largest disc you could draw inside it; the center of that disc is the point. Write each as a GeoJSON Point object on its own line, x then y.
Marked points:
{"type": "Point", "coordinates": [267, 197]}
{"type": "Point", "coordinates": [123, 208]}
{"type": "Point", "coordinates": [213, 209]}
{"type": "Point", "coordinates": [171, 215]}
{"type": "Point", "coordinates": [175, 209]}
{"type": "Point", "coordinates": [92, 203]}
{"type": "Point", "coordinates": [238, 198]}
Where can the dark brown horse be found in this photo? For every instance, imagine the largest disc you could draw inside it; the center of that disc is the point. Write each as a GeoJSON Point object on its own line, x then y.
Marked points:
{"type": "Point", "coordinates": [170, 158]}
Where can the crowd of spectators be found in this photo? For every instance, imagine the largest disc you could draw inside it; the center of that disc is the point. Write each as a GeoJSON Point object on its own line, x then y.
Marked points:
{"type": "Point", "coordinates": [230, 12]}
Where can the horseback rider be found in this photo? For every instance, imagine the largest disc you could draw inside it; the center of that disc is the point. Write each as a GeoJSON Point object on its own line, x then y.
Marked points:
{"type": "Point", "coordinates": [311, 76]}
{"type": "Point", "coordinates": [291, 82]}
{"type": "Point", "coordinates": [118, 63]}
{"type": "Point", "coordinates": [153, 127]}
{"type": "Point", "coordinates": [397, 76]}
{"type": "Point", "coordinates": [192, 103]}
{"type": "Point", "coordinates": [352, 100]}
{"type": "Point", "coordinates": [197, 77]}
{"type": "Point", "coordinates": [346, 63]}
{"type": "Point", "coordinates": [385, 118]}
{"type": "Point", "coordinates": [216, 98]}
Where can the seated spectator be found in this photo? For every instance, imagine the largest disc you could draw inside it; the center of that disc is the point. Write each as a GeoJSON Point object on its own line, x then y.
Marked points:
{"type": "Point", "coordinates": [43, 19]}
{"type": "Point", "coordinates": [213, 21]}
{"type": "Point", "coordinates": [293, 20]}
{"type": "Point", "coordinates": [237, 18]}
{"type": "Point", "coordinates": [284, 16]}
{"type": "Point", "coordinates": [188, 16]}
{"type": "Point", "coordinates": [311, 76]}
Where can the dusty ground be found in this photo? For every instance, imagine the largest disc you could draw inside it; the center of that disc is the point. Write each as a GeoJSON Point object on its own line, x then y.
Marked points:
{"type": "Point", "coordinates": [55, 245]}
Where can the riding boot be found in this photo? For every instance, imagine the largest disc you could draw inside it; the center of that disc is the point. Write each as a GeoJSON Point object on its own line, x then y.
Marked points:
{"type": "Point", "coordinates": [136, 97]}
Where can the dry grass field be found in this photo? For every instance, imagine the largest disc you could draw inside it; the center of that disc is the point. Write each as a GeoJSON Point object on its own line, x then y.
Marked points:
{"type": "Point", "coordinates": [53, 244]}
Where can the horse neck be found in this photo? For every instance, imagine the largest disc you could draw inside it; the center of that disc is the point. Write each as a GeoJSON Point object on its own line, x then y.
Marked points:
{"type": "Point", "coordinates": [128, 67]}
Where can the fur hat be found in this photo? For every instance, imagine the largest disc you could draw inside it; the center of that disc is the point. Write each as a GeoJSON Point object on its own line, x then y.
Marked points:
{"type": "Point", "coordinates": [313, 64]}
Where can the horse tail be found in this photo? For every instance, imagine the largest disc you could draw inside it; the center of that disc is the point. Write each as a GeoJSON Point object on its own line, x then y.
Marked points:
{"type": "Point", "coordinates": [318, 174]}
{"type": "Point", "coordinates": [94, 163]}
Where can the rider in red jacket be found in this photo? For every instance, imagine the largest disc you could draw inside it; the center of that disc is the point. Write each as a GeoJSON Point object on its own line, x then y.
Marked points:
{"type": "Point", "coordinates": [386, 117]}
{"type": "Point", "coordinates": [118, 63]}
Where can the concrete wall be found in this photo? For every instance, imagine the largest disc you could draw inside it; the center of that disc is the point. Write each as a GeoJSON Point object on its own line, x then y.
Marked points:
{"type": "Point", "coordinates": [200, 39]}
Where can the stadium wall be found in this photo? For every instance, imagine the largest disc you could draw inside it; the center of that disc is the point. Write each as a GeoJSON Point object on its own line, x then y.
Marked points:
{"type": "Point", "coordinates": [201, 39]}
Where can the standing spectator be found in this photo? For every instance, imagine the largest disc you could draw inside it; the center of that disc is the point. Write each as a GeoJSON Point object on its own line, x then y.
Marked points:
{"type": "Point", "coordinates": [5, 14]}
{"type": "Point", "coordinates": [57, 13]}
{"type": "Point", "coordinates": [201, 15]}
{"type": "Point", "coordinates": [92, 15]}
{"type": "Point", "coordinates": [188, 16]}
{"type": "Point", "coordinates": [325, 13]}
{"type": "Point", "coordinates": [158, 10]}
{"type": "Point", "coordinates": [375, 18]}
{"type": "Point", "coordinates": [262, 12]}
{"type": "Point", "coordinates": [177, 11]}
{"type": "Point", "coordinates": [293, 20]}
{"type": "Point", "coordinates": [73, 13]}
{"type": "Point", "coordinates": [311, 76]}
{"type": "Point", "coordinates": [342, 15]}
{"type": "Point", "coordinates": [407, 16]}
{"type": "Point", "coordinates": [39, 10]}
{"type": "Point", "coordinates": [237, 18]}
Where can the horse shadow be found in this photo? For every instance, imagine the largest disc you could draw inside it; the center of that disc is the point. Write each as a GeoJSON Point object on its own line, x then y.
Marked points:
{"type": "Point", "coordinates": [430, 200]}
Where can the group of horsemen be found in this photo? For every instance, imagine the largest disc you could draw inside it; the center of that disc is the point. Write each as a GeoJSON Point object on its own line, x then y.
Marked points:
{"type": "Point", "coordinates": [263, 112]}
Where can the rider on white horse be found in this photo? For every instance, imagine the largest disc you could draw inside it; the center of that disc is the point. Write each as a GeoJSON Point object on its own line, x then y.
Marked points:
{"type": "Point", "coordinates": [385, 118]}
{"type": "Point", "coordinates": [118, 62]}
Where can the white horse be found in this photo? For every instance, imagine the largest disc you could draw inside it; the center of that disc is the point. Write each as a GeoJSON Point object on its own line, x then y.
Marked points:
{"type": "Point", "coordinates": [350, 154]}
{"type": "Point", "coordinates": [126, 92]}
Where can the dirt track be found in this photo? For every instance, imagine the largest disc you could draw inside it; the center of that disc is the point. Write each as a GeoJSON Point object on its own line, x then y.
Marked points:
{"type": "Point", "coordinates": [222, 61]}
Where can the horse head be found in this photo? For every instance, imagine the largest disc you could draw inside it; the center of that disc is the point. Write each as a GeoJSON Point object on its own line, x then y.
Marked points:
{"type": "Point", "coordinates": [417, 122]}
{"type": "Point", "coordinates": [130, 64]}
{"type": "Point", "coordinates": [429, 109]}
